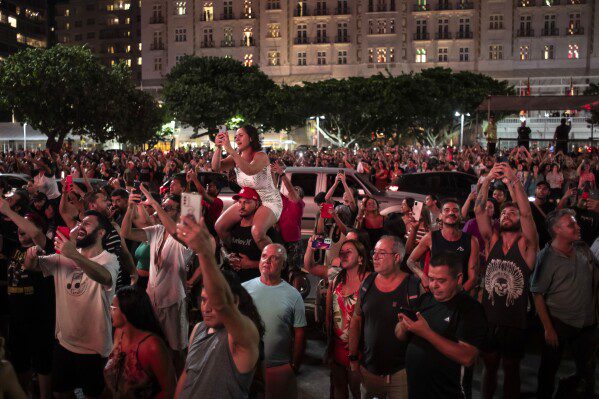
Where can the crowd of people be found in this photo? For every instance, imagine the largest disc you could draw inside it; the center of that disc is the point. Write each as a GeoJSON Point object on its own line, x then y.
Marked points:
{"type": "Point", "coordinates": [110, 290]}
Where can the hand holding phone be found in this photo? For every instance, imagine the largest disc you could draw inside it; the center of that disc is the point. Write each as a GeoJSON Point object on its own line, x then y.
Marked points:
{"type": "Point", "coordinates": [69, 183]}
{"type": "Point", "coordinates": [409, 313]}
{"type": "Point", "coordinates": [191, 204]}
{"type": "Point", "coordinates": [65, 231]}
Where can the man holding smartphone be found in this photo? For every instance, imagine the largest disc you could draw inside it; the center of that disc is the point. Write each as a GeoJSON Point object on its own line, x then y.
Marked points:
{"type": "Point", "coordinates": [445, 337]}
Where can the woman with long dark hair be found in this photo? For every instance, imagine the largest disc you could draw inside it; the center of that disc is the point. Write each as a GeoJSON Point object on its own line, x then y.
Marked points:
{"type": "Point", "coordinates": [139, 365]}
{"type": "Point", "coordinates": [341, 301]}
{"type": "Point", "coordinates": [252, 168]}
{"type": "Point", "coordinates": [370, 219]}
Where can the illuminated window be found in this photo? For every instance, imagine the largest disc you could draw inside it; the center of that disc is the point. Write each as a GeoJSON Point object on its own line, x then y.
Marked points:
{"type": "Point", "coordinates": [342, 57]}
{"type": "Point", "coordinates": [110, 49]}
{"type": "Point", "coordinates": [391, 55]}
{"type": "Point", "coordinates": [128, 48]}
{"type": "Point", "coordinates": [524, 53]}
{"type": "Point", "coordinates": [274, 58]}
{"type": "Point", "coordinates": [247, 9]}
{"type": "Point", "coordinates": [113, 21]}
{"type": "Point", "coordinates": [381, 55]}
{"type": "Point", "coordinates": [112, 62]}
{"type": "Point", "coordinates": [228, 40]}
{"type": "Point", "coordinates": [128, 62]}
{"type": "Point", "coordinates": [67, 13]}
{"type": "Point", "coordinates": [274, 30]}
{"type": "Point", "coordinates": [139, 61]}
{"type": "Point", "coordinates": [573, 51]}
{"type": "Point", "coordinates": [321, 58]}
{"type": "Point", "coordinates": [370, 55]}
{"type": "Point", "coordinates": [248, 60]}
{"type": "Point", "coordinates": [420, 55]}
{"type": "Point", "coordinates": [495, 52]}
{"type": "Point", "coordinates": [139, 46]}
{"type": "Point", "coordinates": [248, 39]}
{"type": "Point", "coordinates": [12, 21]}
{"type": "Point", "coordinates": [574, 26]}
{"type": "Point", "coordinates": [208, 14]}
{"type": "Point", "coordinates": [180, 7]}
{"type": "Point", "coordinates": [548, 52]}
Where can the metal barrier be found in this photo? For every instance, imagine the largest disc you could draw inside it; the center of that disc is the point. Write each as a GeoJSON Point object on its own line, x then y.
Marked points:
{"type": "Point", "coordinates": [574, 144]}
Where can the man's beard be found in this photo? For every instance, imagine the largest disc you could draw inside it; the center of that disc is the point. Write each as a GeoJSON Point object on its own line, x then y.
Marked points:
{"type": "Point", "coordinates": [510, 228]}
{"type": "Point", "coordinates": [88, 240]}
{"type": "Point", "coordinates": [450, 222]}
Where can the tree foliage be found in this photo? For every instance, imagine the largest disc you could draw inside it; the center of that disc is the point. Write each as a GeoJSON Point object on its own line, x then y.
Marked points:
{"type": "Point", "coordinates": [65, 90]}
{"type": "Point", "coordinates": [205, 92]}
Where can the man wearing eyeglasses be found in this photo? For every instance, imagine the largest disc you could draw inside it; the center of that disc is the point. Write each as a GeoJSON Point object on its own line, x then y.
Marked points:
{"type": "Point", "coordinates": [382, 295]}
{"type": "Point", "coordinates": [282, 310]}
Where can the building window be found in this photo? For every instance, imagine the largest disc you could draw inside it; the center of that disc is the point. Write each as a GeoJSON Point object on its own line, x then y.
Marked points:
{"type": "Point", "coordinates": [208, 38]}
{"type": "Point", "coordinates": [342, 57]}
{"type": "Point", "coordinates": [274, 30]}
{"type": "Point", "coordinates": [91, 21]}
{"type": "Point", "coordinates": [302, 34]}
{"type": "Point", "coordinates": [573, 51]}
{"type": "Point", "coordinates": [301, 59]}
{"type": "Point", "coordinates": [208, 12]}
{"type": "Point", "coordinates": [495, 52]}
{"type": "Point", "coordinates": [574, 27]}
{"type": "Point", "coordinates": [464, 28]}
{"type": "Point", "coordinates": [321, 33]}
{"type": "Point", "coordinates": [273, 5]}
{"type": "Point", "coordinates": [381, 26]}
{"type": "Point", "coordinates": [381, 55]}
{"type": "Point", "coordinates": [421, 29]}
{"type": "Point", "coordinates": [442, 54]}
{"type": "Point", "coordinates": [228, 40]}
{"type": "Point", "coordinates": [391, 55]}
{"type": "Point", "coordinates": [496, 22]}
{"type": "Point", "coordinates": [228, 9]}
{"type": "Point", "coordinates": [248, 39]}
{"type": "Point", "coordinates": [321, 58]}
{"type": "Point", "coordinates": [420, 55]}
{"type": "Point", "coordinates": [274, 58]}
{"type": "Point", "coordinates": [180, 7]}
{"type": "Point", "coordinates": [157, 13]}
{"type": "Point", "coordinates": [464, 54]}
{"type": "Point", "coordinates": [370, 56]}
{"type": "Point", "coordinates": [157, 45]}
{"type": "Point", "coordinates": [180, 35]}
{"type": "Point", "coordinates": [524, 53]}
{"type": "Point", "coordinates": [248, 60]}
{"type": "Point", "coordinates": [157, 64]}
{"type": "Point", "coordinates": [548, 52]}
{"type": "Point", "coordinates": [342, 35]}
{"type": "Point", "coordinates": [138, 60]}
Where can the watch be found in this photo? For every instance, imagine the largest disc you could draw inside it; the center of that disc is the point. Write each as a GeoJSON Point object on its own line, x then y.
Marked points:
{"type": "Point", "coordinates": [352, 358]}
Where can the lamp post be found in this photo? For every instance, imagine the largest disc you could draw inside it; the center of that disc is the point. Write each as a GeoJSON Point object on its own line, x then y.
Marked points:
{"type": "Point", "coordinates": [318, 118]}
{"type": "Point", "coordinates": [461, 116]}
{"type": "Point", "coordinates": [25, 136]}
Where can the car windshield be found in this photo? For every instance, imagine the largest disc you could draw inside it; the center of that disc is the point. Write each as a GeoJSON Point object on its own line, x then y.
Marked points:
{"type": "Point", "coordinates": [365, 180]}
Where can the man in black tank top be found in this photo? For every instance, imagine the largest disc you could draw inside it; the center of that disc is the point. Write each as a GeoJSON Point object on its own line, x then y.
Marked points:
{"type": "Point", "coordinates": [372, 339]}
{"type": "Point", "coordinates": [449, 239]}
{"type": "Point", "coordinates": [510, 254]}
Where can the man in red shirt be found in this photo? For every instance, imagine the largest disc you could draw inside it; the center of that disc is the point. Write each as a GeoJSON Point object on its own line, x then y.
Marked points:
{"type": "Point", "coordinates": [290, 222]}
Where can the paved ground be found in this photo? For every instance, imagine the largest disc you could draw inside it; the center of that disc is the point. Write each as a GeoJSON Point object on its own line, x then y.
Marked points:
{"type": "Point", "coordinates": [313, 380]}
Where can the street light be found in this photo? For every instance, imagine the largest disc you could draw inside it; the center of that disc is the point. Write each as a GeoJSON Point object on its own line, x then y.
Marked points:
{"type": "Point", "coordinates": [24, 136]}
{"type": "Point", "coordinates": [461, 116]}
{"type": "Point", "coordinates": [318, 118]}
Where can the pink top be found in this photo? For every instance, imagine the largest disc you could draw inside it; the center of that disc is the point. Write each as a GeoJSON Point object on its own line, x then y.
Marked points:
{"type": "Point", "coordinates": [290, 222]}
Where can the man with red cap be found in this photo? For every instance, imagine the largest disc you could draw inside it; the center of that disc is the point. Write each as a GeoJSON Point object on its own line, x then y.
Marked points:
{"type": "Point", "coordinates": [243, 253]}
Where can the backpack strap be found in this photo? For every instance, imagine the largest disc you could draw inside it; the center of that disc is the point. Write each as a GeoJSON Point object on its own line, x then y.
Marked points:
{"type": "Point", "coordinates": [413, 291]}
{"type": "Point", "coordinates": [366, 285]}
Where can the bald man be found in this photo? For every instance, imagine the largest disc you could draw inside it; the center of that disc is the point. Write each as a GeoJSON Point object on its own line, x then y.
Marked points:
{"type": "Point", "coordinates": [282, 310]}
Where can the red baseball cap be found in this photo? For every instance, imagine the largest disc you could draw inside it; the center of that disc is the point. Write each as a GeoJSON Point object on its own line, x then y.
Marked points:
{"type": "Point", "coordinates": [247, 193]}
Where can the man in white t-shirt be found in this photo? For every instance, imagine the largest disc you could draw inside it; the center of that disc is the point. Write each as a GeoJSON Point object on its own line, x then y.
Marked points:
{"type": "Point", "coordinates": [84, 280]}
{"type": "Point", "coordinates": [44, 182]}
{"type": "Point", "coordinates": [168, 271]}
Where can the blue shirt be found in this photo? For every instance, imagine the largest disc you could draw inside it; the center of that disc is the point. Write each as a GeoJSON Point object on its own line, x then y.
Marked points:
{"type": "Point", "coordinates": [282, 309]}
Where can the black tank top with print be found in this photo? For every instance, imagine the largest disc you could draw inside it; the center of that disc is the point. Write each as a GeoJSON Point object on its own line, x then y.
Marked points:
{"type": "Point", "coordinates": [461, 247]}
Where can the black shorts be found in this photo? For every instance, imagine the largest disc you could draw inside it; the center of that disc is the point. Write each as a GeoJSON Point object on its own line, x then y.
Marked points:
{"type": "Point", "coordinates": [30, 345]}
{"type": "Point", "coordinates": [73, 370]}
{"type": "Point", "coordinates": [507, 341]}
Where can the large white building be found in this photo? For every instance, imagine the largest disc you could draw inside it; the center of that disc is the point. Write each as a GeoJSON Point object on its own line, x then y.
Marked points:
{"type": "Point", "coordinates": [551, 43]}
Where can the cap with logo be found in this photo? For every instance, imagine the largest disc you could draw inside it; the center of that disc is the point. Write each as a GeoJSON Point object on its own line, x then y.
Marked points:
{"type": "Point", "coordinates": [247, 193]}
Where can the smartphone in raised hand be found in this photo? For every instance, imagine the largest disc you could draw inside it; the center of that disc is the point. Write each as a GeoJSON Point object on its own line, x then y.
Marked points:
{"type": "Point", "coordinates": [191, 204]}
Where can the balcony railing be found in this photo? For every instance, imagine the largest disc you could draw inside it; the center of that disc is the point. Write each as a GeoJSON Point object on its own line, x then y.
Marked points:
{"type": "Point", "coordinates": [343, 10]}
{"type": "Point", "coordinates": [342, 39]}
{"type": "Point", "coordinates": [421, 36]}
{"type": "Point", "coordinates": [301, 12]}
{"type": "Point", "coordinates": [550, 32]}
{"type": "Point", "coordinates": [157, 20]}
{"type": "Point", "coordinates": [464, 5]}
{"type": "Point", "coordinates": [248, 42]}
{"type": "Point", "coordinates": [442, 35]}
{"type": "Point", "coordinates": [273, 6]}
{"type": "Point", "coordinates": [247, 15]}
{"type": "Point", "coordinates": [444, 6]}
{"type": "Point", "coordinates": [550, 3]}
{"type": "Point", "coordinates": [575, 31]}
{"type": "Point", "coordinates": [207, 44]}
{"type": "Point", "coordinates": [422, 7]}
{"type": "Point", "coordinates": [157, 46]}
{"type": "Point", "coordinates": [464, 35]}
{"type": "Point", "coordinates": [204, 17]}
{"type": "Point", "coordinates": [321, 11]}
{"type": "Point", "coordinates": [227, 43]}
{"type": "Point", "coordinates": [526, 3]}
{"type": "Point", "coordinates": [321, 39]}
{"type": "Point", "coordinates": [525, 33]}
{"type": "Point", "coordinates": [300, 40]}
{"type": "Point", "coordinates": [226, 16]}
{"type": "Point", "coordinates": [574, 2]}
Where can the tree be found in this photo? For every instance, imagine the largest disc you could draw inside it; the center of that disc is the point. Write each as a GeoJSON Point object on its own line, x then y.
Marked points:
{"type": "Point", "coordinates": [63, 90]}
{"type": "Point", "coordinates": [593, 90]}
{"type": "Point", "coordinates": [205, 92]}
{"type": "Point", "coordinates": [140, 120]}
